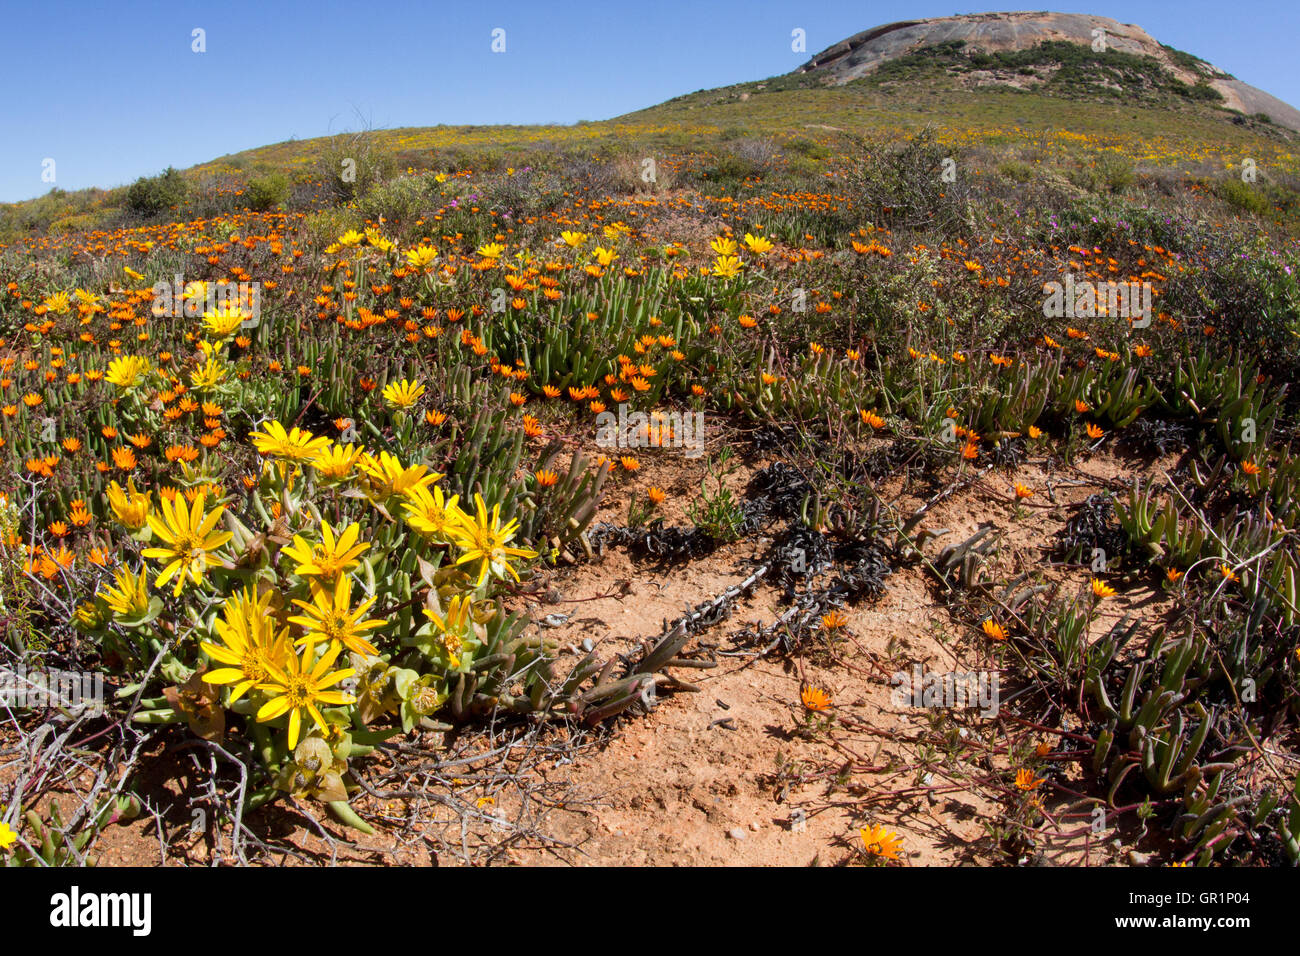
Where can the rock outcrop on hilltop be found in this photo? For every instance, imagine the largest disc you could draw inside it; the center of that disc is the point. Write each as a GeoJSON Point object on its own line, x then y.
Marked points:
{"type": "Point", "coordinates": [864, 52]}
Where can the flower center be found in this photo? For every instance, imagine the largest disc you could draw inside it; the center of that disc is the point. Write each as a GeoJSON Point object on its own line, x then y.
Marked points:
{"type": "Point", "coordinates": [188, 547]}
{"type": "Point", "coordinates": [252, 666]}
{"type": "Point", "coordinates": [297, 690]}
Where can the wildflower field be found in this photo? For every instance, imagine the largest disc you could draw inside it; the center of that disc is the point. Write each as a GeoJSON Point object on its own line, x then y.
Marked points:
{"type": "Point", "coordinates": [664, 490]}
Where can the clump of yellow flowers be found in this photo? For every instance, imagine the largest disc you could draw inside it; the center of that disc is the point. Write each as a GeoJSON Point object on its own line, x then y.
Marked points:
{"type": "Point", "coordinates": [344, 587]}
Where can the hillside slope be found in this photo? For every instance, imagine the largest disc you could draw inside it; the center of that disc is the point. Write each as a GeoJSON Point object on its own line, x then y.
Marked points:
{"type": "Point", "coordinates": [993, 79]}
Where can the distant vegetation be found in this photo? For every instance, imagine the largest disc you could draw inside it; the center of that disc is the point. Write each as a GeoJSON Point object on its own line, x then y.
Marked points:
{"type": "Point", "coordinates": [1067, 69]}
{"type": "Point", "coordinates": [787, 127]}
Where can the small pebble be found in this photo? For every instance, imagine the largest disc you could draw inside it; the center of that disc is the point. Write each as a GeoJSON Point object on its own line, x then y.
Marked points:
{"type": "Point", "coordinates": [736, 833]}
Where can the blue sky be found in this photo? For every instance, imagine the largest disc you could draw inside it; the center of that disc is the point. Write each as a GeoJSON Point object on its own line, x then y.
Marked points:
{"type": "Point", "coordinates": [113, 91]}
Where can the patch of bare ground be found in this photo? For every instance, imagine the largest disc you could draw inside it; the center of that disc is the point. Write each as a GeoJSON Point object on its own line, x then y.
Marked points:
{"type": "Point", "coordinates": [740, 773]}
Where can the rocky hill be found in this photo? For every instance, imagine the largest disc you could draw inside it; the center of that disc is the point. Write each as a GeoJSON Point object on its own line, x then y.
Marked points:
{"type": "Point", "coordinates": [998, 46]}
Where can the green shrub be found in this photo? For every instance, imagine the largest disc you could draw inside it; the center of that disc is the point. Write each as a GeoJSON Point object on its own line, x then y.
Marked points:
{"type": "Point", "coordinates": [1017, 170]}
{"type": "Point", "coordinates": [801, 169]}
{"type": "Point", "coordinates": [1242, 195]}
{"type": "Point", "coordinates": [491, 160]}
{"type": "Point", "coordinates": [901, 185]}
{"type": "Point", "coordinates": [1200, 91]}
{"type": "Point", "coordinates": [1116, 172]}
{"type": "Point", "coordinates": [807, 148]}
{"type": "Point", "coordinates": [746, 159]}
{"type": "Point", "coordinates": [525, 195]}
{"type": "Point", "coordinates": [267, 192]}
{"type": "Point", "coordinates": [81, 222]}
{"type": "Point", "coordinates": [148, 196]}
{"type": "Point", "coordinates": [1110, 173]}
{"type": "Point", "coordinates": [354, 164]}
{"type": "Point", "coordinates": [401, 200]}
